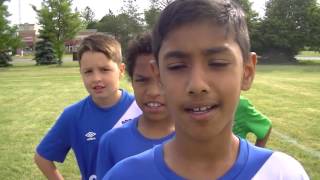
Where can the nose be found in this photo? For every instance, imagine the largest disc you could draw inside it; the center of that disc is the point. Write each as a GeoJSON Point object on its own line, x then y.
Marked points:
{"type": "Point", "coordinates": [96, 77]}
{"type": "Point", "coordinates": [154, 89]}
{"type": "Point", "coordinates": [197, 84]}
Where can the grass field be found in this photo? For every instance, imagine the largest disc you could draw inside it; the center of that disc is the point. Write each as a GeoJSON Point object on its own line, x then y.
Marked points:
{"type": "Point", "coordinates": [31, 97]}
{"type": "Point", "coordinates": [309, 53]}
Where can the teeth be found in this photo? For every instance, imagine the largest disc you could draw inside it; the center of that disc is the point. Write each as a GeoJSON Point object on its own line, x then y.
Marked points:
{"type": "Point", "coordinates": [201, 109]}
{"type": "Point", "coordinates": [153, 104]}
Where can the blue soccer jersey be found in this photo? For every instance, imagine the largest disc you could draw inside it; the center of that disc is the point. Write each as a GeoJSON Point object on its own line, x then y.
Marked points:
{"type": "Point", "coordinates": [80, 127]}
{"type": "Point", "coordinates": [252, 163]}
{"type": "Point", "coordinates": [121, 143]}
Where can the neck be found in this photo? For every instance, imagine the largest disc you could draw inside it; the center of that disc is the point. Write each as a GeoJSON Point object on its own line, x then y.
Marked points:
{"type": "Point", "coordinates": [215, 149]}
{"type": "Point", "coordinates": [210, 158]}
{"type": "Point", "coordinates": [155, 129]}
{"type": "Point", "coordinates": [108, 102]}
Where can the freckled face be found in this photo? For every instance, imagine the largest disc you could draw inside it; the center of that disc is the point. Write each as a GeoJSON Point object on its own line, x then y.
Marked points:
{"type": "Point", "coordinates": [147, 91]}
{"type": "Point", "coordinates": [201, 71]}
{"type": "Point", "coordinates": [101, 77]}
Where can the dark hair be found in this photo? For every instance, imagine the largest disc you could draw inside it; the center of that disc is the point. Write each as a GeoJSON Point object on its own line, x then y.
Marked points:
{"type": "Point", "coordinates": [141, 44]}
{"type": "Point", "coordinates": [105, 44]}
{"type": "Point", "coordinates": [226, 13]}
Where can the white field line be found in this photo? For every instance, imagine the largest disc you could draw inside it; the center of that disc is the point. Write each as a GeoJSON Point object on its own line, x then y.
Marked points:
{"type": "Point", "coordinates": [288, 139]}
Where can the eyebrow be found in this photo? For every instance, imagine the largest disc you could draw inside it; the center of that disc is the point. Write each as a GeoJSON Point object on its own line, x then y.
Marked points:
{"type": "Point", "coordinates": [176, 54]}
{"type": "Point", "coordinates": [207, 52]}
{"type": "Point", "coordinates": [215, 50]}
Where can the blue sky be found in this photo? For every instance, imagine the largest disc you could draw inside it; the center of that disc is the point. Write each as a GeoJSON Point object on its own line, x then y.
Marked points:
{"type": "Point", "coordinates": [27, 15]}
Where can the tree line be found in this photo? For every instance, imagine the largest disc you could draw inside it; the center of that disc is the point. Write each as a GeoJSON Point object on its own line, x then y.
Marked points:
{"type": "Point", "coordinates": [288, 27]}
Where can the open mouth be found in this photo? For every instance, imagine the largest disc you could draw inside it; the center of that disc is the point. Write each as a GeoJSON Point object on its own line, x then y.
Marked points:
{"type": "Point", "coordinates": [98, 87]}
{"type": "Point", "coordinates": [153, 104]}
{"type": "Point", "coordinates": [201, 109]}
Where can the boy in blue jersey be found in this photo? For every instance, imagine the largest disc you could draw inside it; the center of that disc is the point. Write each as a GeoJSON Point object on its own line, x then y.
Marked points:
{"type": "Point", "coordinates": [81, 125]}
{"type": "Point", "coordinates": [203, 60]}
{"type": "Point", "coordinates": [154, 125]}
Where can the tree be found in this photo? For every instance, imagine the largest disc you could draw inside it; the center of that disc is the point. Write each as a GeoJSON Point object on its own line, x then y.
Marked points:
{"type": "Point", "coordinates": [87, 15]}
{"type": "Point", "coordinates": [253, 22]}
{"type": "Point", "coordinates": [163, 3]}
{"type": "Point", "coordinates": [109, 23]}
{"type": "Point", "coordinates": [92, 25]}
{"type": "Point", "coordinates": [131, 17]}
{"type": "Point", "coordinates": [123, 26]}
{"type": "Point", "coordinates": [314, 34]}
{"type": "Point", "coordinates": [286, 29]}
{"type": "Point", "coordinates": [151, 15]}
{"type": "Point", "coordinates": [58, 23]}
{"type": "Point", "coordinates": [44, 52]}
{"type": "Point", "coordinates": [9, 41]}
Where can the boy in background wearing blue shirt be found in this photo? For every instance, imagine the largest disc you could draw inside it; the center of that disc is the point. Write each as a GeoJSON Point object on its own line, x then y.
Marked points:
{"type": "Point", "coordinates": [81, 125]}
{"type": "Point", "coordinates": [203, 59]}
{"type": "Point", "coordinates": [153, 127]}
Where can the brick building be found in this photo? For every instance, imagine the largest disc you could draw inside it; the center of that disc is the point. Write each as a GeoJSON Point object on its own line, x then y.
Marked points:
{"type": "Point", "coordinates": [27, 32]}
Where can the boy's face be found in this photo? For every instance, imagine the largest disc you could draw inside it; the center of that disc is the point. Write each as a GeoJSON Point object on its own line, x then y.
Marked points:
{"type": "Point", "coordinates": [101, 77]}
{"type": "Point", "coordinates": [202, 73]}
{"type": "Point", "coordinates": [146, 89]}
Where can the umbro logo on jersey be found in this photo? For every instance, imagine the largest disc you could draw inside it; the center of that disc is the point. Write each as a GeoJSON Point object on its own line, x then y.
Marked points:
{"type": "Point", "coordinates": [91, 136]}
{"type": "Point", "coordinates": [125, 121]}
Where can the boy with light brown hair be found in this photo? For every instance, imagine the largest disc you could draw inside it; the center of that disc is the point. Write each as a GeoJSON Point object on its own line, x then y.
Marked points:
{"type": "Point", "coordinates": [81, 125]}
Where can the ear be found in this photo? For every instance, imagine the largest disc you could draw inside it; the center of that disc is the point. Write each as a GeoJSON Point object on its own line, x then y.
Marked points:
{"type": "Point", "coordinates": [249, 71]}
{"type": "Point", "coordinates": [122, 68]}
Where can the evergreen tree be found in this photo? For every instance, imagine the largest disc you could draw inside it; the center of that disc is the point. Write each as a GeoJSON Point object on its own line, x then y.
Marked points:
{"type": "Point", "coordinates": [44, 54]}
{"type": "Point", "coordinates": [5, 58]}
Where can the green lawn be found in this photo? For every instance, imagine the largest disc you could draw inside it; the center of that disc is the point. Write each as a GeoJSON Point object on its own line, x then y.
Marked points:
{"type": "Point", "coordinates": [33, 96]}
{"type": "Point", "coordinates": [309, 53]}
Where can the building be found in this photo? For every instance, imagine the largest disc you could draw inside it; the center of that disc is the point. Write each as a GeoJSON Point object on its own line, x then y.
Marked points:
{"type": "Point", "coordinates": [27, 33]}
{"type": "Point", "coordinates": [72, 45]}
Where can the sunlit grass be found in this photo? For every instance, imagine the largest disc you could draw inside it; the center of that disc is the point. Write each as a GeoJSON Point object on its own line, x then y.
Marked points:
{"type": "Point", "coordinates": [309, 53]}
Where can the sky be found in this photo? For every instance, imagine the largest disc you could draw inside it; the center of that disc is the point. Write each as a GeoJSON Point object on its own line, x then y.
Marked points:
{"type": "Point", "coordinates": [100, 8]}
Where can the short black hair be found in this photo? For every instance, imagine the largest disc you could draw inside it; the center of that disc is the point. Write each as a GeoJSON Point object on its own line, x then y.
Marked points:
{"type": "Point", "coordinates": [141, 44]}
{"type": "Point", "coordinates": [227, 13]}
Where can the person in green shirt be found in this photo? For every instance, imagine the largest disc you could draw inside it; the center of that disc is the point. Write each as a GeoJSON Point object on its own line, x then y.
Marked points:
{"type": "Point", "coordinates": [249, 120]}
